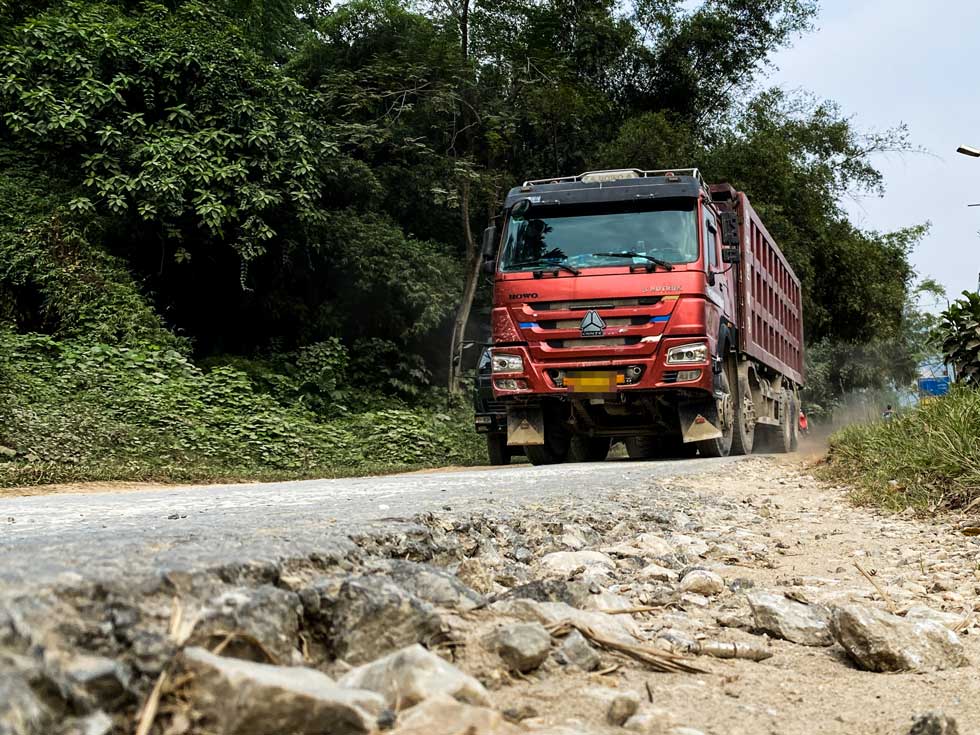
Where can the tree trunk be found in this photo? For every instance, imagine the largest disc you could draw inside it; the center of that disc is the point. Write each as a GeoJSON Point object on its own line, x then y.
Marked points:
{"type": "Point", "coordinates": [472, 276]}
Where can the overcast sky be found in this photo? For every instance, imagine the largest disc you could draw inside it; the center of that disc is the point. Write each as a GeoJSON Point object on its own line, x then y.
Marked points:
{"type": "Point", "coordinates": [892, 61]}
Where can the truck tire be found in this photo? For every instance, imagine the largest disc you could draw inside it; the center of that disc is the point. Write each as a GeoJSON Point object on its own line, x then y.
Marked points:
{"type": "Point", "coordinates": [557, 442]}
{"type": "Point", "coordinates": [588, 449]}
{"type": "Point", "coordinates": [743, 429]}
{"type": "Point", "coordinates": [641, 447]}
{"type": "Point", "coordinates": [794, 413]}
{"type": "Point", "coordinates": [722, 447]}
{"type": "Point", "coordinates": [497, 449]}
{"type": "Point", "coordinates": [781, 437]}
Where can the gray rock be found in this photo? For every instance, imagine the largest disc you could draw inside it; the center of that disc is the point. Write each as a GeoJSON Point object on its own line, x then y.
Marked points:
{"type": "Point", "coordinates": [921, 612]}
{"type": "Point", "coordinates": [934, 723]}
{"type": "Point", "coordinates": [433, 585]}
{"type": "Point", "coordinates": [702, 582]}
{"type": "Point", "coordinates": [7, 452]}
{"type": "Point", "coordinates": [576, 651]}
{"type": "Point", "coordinates": [373, 616]}
{"type": "Point", "coordinates": [238, 697]}
{"type": "Point", "coordinates": [267, 614]}
{"type": "Point", "coordinates": [21, 712]}
{"type": "Point", "coordinates": [106, 681]}
{"type": "Point", "coordinates": [522, 646]}
{"type": "Point", "coordinates": [879, 641]}
{"type": "Point", "coordinates": [97, 723]}
{"type": "Point", "coordinates": [621, 708]}
{"type": "Point", "coordinates": [551, 590]}
{"type": "Point", "coordinates": [564, 563]}
{"type": "Point", "coordinates": [442, 715]}
{"type": "Point", "coordinates": [807, 625]}
{"type": "Point", "coordinates": [412, 675]}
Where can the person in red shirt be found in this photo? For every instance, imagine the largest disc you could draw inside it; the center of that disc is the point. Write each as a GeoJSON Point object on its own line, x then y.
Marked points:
{"type": "Point", "coordinates": [804, 424]}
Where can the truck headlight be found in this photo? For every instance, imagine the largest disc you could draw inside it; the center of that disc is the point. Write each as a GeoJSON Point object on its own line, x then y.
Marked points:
{"type": "Point", "coordinates": [697, 352]}
{"type": "Point", "coordinates": [507, 363]}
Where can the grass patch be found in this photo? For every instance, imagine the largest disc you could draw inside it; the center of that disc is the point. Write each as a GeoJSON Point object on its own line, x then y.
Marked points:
{"type": "Point", "coordinates": [76, 412]}
{"type": "Point", "coordinates": [927, 458]}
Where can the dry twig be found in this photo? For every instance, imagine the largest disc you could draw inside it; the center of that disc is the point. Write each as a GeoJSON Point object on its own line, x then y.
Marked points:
{"type": "Point", "coordinates": [652, 657]}
{"type": "Point", "coordinates": [884, 595]}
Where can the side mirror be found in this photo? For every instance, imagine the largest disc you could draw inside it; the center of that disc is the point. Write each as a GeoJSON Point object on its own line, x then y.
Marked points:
{"type": "Point", "coordinates": [729, 230]}
{"type": "Point", "coordinates": [490, 242]}
{"type": "Point", "coordinates": [489, 267]}
{"type": "Point", "coordinates": [731, 255]}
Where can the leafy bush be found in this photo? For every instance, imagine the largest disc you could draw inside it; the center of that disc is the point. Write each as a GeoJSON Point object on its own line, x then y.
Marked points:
{"type": "Point", "coordinates": [925, 458]}
{"type": "Point", "coordinates": [959, 329]}
{"type": "Point", "coordinates": [92, 411]}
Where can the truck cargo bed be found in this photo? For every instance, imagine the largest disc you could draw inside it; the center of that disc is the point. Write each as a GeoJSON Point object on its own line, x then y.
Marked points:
{"type": "Point", "coordinates": [770, 312]}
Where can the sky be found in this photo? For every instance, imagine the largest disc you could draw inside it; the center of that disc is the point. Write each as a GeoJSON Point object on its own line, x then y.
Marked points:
{"type": "Point", "coordinates": [906, 61]}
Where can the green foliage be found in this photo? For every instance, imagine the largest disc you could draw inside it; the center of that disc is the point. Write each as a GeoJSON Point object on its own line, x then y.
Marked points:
{"type": "Point", "coordinates": [959, 330]}
{"type": "Point", "coordinates": [926, 458]}
{"type": "Point", "coordinates": [170, 117]}
{"type": "Point", "coordinates": [94, 411]}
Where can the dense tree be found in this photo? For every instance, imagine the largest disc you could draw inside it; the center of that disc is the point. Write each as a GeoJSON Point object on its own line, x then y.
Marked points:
{"type": "Point", "coordinates": [268, 175]}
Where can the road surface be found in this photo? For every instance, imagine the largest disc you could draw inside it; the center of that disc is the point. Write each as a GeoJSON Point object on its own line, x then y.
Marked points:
{"type": "Point", "coordinates": [103, 535]}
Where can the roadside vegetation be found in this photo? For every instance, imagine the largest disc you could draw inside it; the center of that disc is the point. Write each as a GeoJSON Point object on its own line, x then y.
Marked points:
{"type": "Point", "coordinates": [928, 457]}
{"type": "Point", "coordinates": [239, 240]}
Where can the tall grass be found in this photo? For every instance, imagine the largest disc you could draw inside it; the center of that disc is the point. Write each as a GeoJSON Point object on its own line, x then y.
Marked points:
{"type": "Point", "coordinates": [926, 458]}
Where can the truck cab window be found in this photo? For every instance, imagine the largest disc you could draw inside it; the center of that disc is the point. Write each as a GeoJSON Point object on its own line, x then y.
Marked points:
{"type": "Point", "coordinates": [575, 234]}
{"type": "Point", "coordinates": [710, 240]}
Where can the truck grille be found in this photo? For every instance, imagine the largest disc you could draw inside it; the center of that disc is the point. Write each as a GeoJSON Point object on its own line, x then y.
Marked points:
{"type": "Point", "coordinates": [611, 321]}
{"type": "Point", "coordinates": [587, 304]}
{"type": "Point", "coordinates": [593, 342]}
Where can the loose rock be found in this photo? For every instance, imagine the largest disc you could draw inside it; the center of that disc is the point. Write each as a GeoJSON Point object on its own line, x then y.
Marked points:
{"type": "Point", "coordinates": [21, 712]}
{"type": "Point", "coordinates": [522, 646]}
{"type": "Point", "coordinates": [702, 582]}
{"type": "Point", "coordinates": [240, 697]}
{"type": "Point", "coordinates": [443, 715]}
{"type": "Point", "coordinates": [934, 723]}
{"type": "Point", "coordinates": [374, 616]}
{"type": "Point", "coordinates": [621, 708]}
{"type": "Point", "coordinates": [564, 563]}
{"type": "Point", "coordinates": [879, 641]}
{"type": "Point", "coordinates": [433, 585]}
{"type": "Point", "coordinates": [576, 651]}
{"type": "Point", "coordinates": [412, 675]}
{"type": "Point", "coordinates": [807, 625]}
{"type": "Point", "coordinates": [267, 614]}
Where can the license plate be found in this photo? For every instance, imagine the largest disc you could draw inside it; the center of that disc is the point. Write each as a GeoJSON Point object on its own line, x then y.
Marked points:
{"type": "Point", "coordinates": [593, 381]}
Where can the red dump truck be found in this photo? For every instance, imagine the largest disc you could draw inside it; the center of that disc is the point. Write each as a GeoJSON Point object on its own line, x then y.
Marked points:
{"type": "Point", "coordinates": [644, 307]}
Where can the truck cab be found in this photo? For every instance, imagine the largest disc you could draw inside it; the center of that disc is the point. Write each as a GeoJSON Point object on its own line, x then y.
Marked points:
{"type": "Point", "coordinates": [615, 313]}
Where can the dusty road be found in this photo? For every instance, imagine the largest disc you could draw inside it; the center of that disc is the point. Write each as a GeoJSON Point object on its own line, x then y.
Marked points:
{"type": "Point", "coordinates": [492, 569]}
{"type": "Point", "coordinates": [103, 535]}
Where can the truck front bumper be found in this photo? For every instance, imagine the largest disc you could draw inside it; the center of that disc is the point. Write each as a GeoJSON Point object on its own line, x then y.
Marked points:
{"type": "Point", "coordinates": [604, 376]}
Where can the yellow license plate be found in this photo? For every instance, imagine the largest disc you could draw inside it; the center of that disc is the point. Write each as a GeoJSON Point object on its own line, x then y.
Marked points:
{"type": "Point", "coordinates": [593, 381]}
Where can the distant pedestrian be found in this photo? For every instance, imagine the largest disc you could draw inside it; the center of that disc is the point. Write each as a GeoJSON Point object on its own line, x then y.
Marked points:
{"type": "Point", "coordinates": [887, 414]}
{"type": "Point", "coordinates": [804, 424]}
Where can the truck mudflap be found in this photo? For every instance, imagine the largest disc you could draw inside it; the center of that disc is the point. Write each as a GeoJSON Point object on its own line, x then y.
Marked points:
{"type": "Point", "coordinates": [699, 420]}
{"type": "Point", "coordinates": [525, 426]}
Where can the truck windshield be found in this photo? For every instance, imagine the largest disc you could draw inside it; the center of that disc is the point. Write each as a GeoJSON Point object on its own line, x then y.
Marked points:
{"type": "Point", "coordinates": [577, 237]}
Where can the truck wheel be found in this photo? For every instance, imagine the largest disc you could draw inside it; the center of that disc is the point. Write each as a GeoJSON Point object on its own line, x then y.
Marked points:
{"type": "Point", "coordinates": [588, 449]}
{"type": "Point", "coordinates": [556, 444]}
{"type": "Point", "coordinates": [743, 434]}
{"type": "Point", "coordinates": [794, 413]}
{"type": "Point", "coordinates": [641, 447]}
{"type": "Point", "coordinates": [497, 449]}
{"type": "Point", "coordinates": [781, 437]}
{"type": "Point", "coordinates": [722, 447]}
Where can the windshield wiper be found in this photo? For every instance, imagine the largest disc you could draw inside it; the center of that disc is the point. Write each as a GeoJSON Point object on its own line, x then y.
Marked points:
{"type": "Point", "coordinates": [630, 254]}
{"type": "Point", "coordinates": [545, 263]}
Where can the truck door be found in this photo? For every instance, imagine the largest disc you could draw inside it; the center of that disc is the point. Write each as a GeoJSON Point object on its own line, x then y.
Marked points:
{"type": "Point", "coordinates": [722, 293]}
